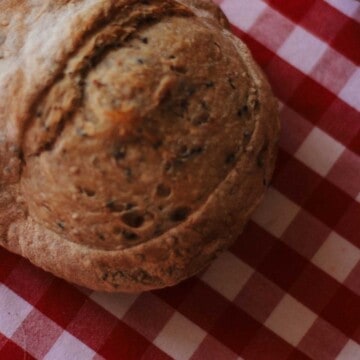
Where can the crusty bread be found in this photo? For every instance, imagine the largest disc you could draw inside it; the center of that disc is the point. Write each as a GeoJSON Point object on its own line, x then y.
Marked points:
{"type": "Point", "coordinates": [136, 138]}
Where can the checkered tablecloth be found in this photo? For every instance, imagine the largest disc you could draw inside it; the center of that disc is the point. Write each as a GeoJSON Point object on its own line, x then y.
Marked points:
{"type": "Point", "coordinates": [290, 286]}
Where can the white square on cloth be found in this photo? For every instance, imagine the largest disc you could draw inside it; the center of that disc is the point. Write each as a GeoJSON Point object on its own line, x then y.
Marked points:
{"type": "Point", "coordinates": [351, 90]}
{"type": "Point", "coordinates": [319, 151]}
{"type": "Point", "coordinates": [115, 304]}
{"type": "Point", "coordinates": [13, 310]}
{"type": "Point", "coordinates": [337, 257]}
{"type": "Point", "coordinates": [69, 347]}
{"type": "Point", "coordinates": [291, 320]}
{"type": "Point", "coordinates": [244, 13]}
{"type": "Point", "coordinates": [275, 213]}
{"type": "Point", "coordinates": [302, 50]}
{"type": "Point", "coordinates": [229, 267]}
{"type": "Point", "coordinates": [180, 337]}
{"type": "Point", "coordinates": [350, 351]}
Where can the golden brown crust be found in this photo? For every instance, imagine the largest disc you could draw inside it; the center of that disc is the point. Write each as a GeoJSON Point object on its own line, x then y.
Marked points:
{"type": "Point", "coordinates": [135, 179]}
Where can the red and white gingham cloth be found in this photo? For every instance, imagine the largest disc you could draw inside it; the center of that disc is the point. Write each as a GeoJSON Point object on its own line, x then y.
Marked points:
{"type": "Point", "coordinates": [290, 287]}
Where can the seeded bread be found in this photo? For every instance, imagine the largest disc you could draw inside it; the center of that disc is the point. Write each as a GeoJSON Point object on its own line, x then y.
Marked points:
{"type": "Point", "coordinates": [136, 138]}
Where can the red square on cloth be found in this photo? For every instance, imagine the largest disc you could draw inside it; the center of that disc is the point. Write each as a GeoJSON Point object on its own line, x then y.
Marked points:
{"type": "Point", "coordinates": [323, 341]}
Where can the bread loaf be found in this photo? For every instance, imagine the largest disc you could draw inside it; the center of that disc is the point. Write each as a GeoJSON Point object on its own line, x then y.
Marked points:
{"type": "Point", "coordinates": [136, 138]}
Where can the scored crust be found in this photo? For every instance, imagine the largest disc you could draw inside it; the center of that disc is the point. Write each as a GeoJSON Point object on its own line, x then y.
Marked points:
{"type": "Point", "coordinates": [136, 138]}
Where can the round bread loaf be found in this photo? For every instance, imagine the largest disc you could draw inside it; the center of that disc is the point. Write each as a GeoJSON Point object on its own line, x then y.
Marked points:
{"type": "Point", "coordinates": [136, 138]}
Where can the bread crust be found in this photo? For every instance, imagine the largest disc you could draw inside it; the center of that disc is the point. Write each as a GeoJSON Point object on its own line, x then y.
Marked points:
{"type": "Point", "coordinates": [31, 66]}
